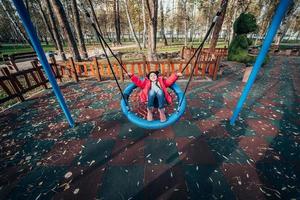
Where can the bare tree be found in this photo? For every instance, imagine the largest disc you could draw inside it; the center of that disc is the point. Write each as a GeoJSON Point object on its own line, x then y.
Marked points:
{"type": "Point", "coordinates": [131, 26]}
{"type": "Point", "coordinates": [55, 31]}
{"type": "Point", "coordinates": [152, 7]}
{"type": "Point", "coordinates": [218, 26]}
{"type": "Point", "coordinates": [78, 29]}
{"type": "Point", "coordinates": [63, 21]}
{"type": "Point", "coordinates": [162, 24]}
{"type": "Point", "coordinates": [144, 24]}
{"type": "Point", "coordinates": [186, 20]}
{"type": "Point", "coordinates": [46, 22]}
{"type": "Point", "coordinates": [116, 10]}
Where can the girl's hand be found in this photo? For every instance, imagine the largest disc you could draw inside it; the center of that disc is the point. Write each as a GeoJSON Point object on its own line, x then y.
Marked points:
{"type": "Point", "coordinates": [129, 74]}
{"type": "Point", "coordinates": [179, 74]}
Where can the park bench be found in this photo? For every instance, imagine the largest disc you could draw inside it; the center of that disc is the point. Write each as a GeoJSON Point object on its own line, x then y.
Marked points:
{"type": "Point", "coordinates": [12, 60]}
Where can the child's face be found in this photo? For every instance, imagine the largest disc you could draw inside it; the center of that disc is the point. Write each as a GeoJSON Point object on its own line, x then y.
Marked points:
{"type": "Point", "coordinates": [153, 77]}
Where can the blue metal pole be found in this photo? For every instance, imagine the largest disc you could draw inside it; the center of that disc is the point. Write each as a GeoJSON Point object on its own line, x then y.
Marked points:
{"type": "Point", "coordinates": [281, 9]}
{"type": "Point", "coordinates": [41, 55]}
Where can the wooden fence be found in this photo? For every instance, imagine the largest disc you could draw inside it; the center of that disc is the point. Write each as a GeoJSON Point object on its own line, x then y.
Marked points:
{"type": "Point", "coordinates": [16, 84]}
{"type": "Point", "coordinates": [101, 70]}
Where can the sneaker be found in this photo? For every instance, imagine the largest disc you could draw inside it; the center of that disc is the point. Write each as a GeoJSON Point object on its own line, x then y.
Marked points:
{"type": "Point", "coordinates": [149, 114]}
{"type": "Point", "coordinates": [162, 115]}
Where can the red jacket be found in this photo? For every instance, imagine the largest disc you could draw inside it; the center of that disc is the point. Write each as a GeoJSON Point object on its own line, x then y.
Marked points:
{"type": "Point", "coordinates": [145, 85]}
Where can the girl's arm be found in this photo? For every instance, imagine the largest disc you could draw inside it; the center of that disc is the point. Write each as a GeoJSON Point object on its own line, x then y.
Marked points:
{"type": "Point", "coordinates": [137, 81]}
{"type": "Point", "coordinates": [172, 79]}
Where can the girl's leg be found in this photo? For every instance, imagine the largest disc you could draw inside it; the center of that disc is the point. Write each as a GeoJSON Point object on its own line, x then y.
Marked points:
{"type": "Point", "coordinates": [161, 106]}
{"type": "Point", "coordinates": [161, 99]}
{"type": "Point", "coordinates": [151, 96]}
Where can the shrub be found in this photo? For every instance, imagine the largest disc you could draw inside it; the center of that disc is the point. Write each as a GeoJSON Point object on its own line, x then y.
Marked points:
{"type": "Point", "coordinates": [238, 48]}
{"type": "Point", "coordinates": [244, 24]}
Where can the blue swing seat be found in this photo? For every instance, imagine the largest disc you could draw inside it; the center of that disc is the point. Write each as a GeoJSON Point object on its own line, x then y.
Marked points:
{"type": "Point", "coordinates": [155, 124]}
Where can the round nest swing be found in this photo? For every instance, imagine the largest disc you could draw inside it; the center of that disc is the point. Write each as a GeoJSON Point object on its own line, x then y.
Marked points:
{"type": "Point", "coordinates": [138, 111]}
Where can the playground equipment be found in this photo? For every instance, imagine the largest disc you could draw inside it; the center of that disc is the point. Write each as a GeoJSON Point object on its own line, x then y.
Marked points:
{"type": "Point", "coordinates": [181, 96]}
{"type": "Point", "coordinates": [282, 8]}
{"type": "Point", "coordinates": [23, 13]}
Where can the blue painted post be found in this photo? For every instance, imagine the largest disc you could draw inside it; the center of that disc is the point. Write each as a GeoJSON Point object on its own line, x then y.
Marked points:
{"type": "Point", "coordinates": [41, 55]}
{"type": "Point", "coordinates": [280, 12]}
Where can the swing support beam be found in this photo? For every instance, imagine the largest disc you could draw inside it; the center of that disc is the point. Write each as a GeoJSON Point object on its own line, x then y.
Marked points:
{"type": "Point", "coordinates": [280, 12]}
{"type": "Point", "coordinates": [22, 11]}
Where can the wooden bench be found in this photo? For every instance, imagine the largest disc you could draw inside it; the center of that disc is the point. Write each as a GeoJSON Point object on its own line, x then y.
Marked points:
{"type": "Point", "coordinates": [12, 60]}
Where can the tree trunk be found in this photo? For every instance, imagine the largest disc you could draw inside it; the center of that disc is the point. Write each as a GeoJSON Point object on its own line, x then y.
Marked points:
{"type": "Point", "coordinates": [152, 7]}
{"type": "Point", "coordinates": [186, 18]}
{"type": "Point", "coordinates": [55, 31]}
{"type": "Point", "coordinates": [43, 14]}
{"type": "Point", "coordinates": [63, 22]}
{"type": "Point", "coordinates": [145, 24]}
{"type": "Point", "coordinates": [172, 23]}
{"type": "Point", "coordinates": [131, 26]}
{"type": "Point", "coordinates": [116, 11]}
{"type": "Point", "coordinates": [191, 37]}
{"type": "Point", "coordinates": [46, 40]}
{"type": "Point", "coordinates": [16, 35]}
{"type": "Point", "coordinates": [162, 24]}
{"type": "Point", "coordinates": [218, 27]}
{"type": "Point", "coordinates": [78, 30]}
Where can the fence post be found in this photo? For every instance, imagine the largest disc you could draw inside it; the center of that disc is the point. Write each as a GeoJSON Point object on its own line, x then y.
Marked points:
{"type": "Point", "coordinates": [54, 64]}
{"type": "Point", "coordinates": [40, 73]}
{"type": "Point", "coordinates": [169, 67]}
{"type": "Point", "coordinates": [73, 68]}
{"type": "Point", "coordinates": [182, 52]}
{"type": "Point", "coordinates": [13, 83]}
{"type": "Point", "coordinates": [95, 63]}
{"type": "Point", "coordinates": [122, 73]}
{"type": "Point", "coordinates": [10, 62]}
{"type": "Point", "coordinates": [216, 68]}
{"type": "Point", "coordinates": [144, 65]}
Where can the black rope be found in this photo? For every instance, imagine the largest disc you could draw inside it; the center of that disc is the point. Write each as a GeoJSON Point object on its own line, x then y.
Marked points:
{"type": "Point", "coordinates": [203, 41]}
{"type": "Point", "coordinates": [112, 53]}
{"type": "Point", "coordinates": [101, 39]}
{"type": "Point", "coordinates": [105, 43]}
{"type": "Point", "coordinates": [198, 51]}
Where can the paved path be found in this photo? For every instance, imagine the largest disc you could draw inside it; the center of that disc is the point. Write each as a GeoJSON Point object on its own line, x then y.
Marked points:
{"type": "Point", "coordinates": [200, 157]}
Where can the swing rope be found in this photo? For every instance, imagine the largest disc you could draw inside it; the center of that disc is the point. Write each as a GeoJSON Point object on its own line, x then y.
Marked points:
{"type": "Point", "coordinates": [196, 53]}
{"type": "Point", "coordinates": [103, 42]}
{"type": "Point", "coordinates": [199, 49]}
{"type": "Point", "coordinates": [101, 38]}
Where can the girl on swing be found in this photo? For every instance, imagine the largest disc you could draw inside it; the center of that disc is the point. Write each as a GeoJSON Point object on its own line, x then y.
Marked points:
{"type": "Point", "coordinates": [153, 86]}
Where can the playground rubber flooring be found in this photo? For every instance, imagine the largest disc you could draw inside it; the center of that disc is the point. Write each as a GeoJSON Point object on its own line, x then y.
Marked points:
{"type": "Point", "coordinates": [200, 157]}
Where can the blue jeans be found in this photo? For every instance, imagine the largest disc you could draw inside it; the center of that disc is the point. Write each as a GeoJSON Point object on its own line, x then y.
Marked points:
{"type": "Point", "coordinates": [160, 97]}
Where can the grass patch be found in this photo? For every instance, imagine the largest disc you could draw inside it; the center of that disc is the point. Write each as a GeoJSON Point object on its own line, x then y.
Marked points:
{"type": "Point", "coordinates": [172, 47]}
